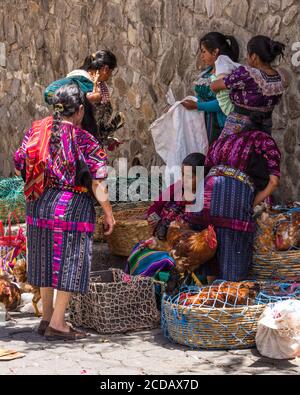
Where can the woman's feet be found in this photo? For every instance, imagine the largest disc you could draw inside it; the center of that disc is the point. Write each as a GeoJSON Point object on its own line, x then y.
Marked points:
{"type": "Point", "coordinates": [42, 327]}
{"type": "Point", "coordinates": [71, 334]}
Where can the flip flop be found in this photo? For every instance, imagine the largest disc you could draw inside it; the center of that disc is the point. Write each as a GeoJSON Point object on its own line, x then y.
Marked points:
{"type": "Point", "coordinates": [9, 355]}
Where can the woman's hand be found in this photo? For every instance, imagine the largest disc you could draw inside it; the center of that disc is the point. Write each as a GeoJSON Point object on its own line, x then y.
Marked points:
{"type": "Point", "coordinates": [96, 78]}
{"type": "Point", "coordinates": [218, 85]}
{"type": "Point", "coordinates": [190, 105]}
{"type": "Point", "coordinates": [109, 224]}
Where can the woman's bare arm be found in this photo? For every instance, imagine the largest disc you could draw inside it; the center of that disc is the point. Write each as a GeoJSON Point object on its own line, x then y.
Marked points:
{"type": "Point", "coordinates": [271, 187]}
{"type": "Point", "coordinates": [100, 191]}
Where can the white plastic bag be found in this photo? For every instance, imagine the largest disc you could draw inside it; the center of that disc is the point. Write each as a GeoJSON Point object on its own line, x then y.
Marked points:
{"type": "Point", "coordinates": [178, 133]}
{"type": "Point", "coordinates": [278, 334]}
{"type": "Point", "coordinates": [224, 65]}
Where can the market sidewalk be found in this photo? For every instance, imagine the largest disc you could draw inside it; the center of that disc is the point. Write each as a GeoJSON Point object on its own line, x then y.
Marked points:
{"type": "Point", "coordinates": [139, 353]}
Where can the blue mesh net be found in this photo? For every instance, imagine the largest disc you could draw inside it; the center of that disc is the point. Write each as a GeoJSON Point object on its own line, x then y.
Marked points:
{"type": "Point", "coordinates": [221, 316]}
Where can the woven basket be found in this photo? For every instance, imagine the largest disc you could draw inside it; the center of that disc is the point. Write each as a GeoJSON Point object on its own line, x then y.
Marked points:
{"type": "Point", "coordinates": [116, 303]}
{"type": "Point", "coordinates": [117, 207]}
{"type": "Point", "coordinates": [131, 227]}
{"type": "Point", "coordinates": [284, 266]}
{"type": "Point", "coordinates": [212, 328]}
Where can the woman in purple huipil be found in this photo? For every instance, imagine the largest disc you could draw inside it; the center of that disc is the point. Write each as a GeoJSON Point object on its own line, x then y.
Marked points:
{"type": "Point", "coordinates": [244, 162]}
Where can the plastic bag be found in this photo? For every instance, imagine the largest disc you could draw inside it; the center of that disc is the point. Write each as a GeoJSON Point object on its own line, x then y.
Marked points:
{"type": "Point", "coordinates": [178, 133]}
{"type": "Point", "coordinates": [224, 65]}
{"type": "Point", "coordinates": [278, 334]}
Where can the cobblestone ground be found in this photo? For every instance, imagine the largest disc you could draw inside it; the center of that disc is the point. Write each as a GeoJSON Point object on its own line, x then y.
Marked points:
{"type": "Point", "coordinates": [138, 353]}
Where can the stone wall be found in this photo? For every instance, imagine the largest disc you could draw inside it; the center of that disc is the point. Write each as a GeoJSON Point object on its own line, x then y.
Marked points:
{"type": "Point", "coordinates": [156, 43]}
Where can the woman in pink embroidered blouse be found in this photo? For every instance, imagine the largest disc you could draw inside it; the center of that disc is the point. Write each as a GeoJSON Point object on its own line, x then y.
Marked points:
{"type": "Point", "coordinates": [60, 212]}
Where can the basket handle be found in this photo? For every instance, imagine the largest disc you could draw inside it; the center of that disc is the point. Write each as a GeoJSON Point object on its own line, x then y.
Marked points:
{"type": "Point", "coordinates": [12, 213]}
{"type": "Point", "coordinates": [1, 229]}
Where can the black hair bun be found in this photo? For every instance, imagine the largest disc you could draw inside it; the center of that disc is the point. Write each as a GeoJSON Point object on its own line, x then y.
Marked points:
{"type": "Point", "coordinates": [277, 48]}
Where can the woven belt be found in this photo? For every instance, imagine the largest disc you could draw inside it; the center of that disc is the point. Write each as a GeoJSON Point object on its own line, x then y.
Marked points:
{"type": "Point", "coordinates": [74, 189]}
{"type": "Point", "coordinates": [228, 171]}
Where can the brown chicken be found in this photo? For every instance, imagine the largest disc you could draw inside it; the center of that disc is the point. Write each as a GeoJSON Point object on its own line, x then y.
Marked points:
{"type": "Point", "coordinates": [191, 249]}
{"type": "Point", "coordinates": [10, 294]}
{"type": "Point", "coordinates": [226, 294]}
{"type": "Point", "coordinates": [265, 238]}
{"type": "Point", "coordinates": [287, 233]}
{"type": "Point", "coordinates": [20, 274]}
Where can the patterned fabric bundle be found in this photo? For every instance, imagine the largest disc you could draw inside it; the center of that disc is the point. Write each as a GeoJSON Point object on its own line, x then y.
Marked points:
{"type": "Point", "coordinates": [37, 150]}
{"type": "Point", "coordinates": [148, 263]}
{"type": "Point", "coordinates": [85, 84]}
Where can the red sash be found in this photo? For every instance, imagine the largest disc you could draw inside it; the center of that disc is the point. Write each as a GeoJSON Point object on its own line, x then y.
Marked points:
{"type": "Point", "coordinates": [37, 152]}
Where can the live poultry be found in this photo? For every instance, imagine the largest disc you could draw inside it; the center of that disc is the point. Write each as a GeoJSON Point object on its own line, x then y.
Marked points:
{"type": "Point", "coordinates": [265, 239]}
{"type": "Point", "coordinates": [225, 294]}
{"type": "Point", "coordinates": [287, 233]}
{"type": "Point", "coordinates": [191, 249]}
{"type": "Point", "coordinates": [10, 294]}
{"type": "Point", "coordinates": [20, 274]}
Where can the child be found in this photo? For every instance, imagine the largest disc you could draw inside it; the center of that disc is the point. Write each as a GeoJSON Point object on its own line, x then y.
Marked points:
{"type": "Point", "coordinates": [171, 204]}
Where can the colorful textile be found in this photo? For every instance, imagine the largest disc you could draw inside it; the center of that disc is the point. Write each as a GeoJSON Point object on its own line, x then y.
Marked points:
{"type": "Point", "coordinates": [37, 151]}
{"type": "Point", "coordinates": [103, 89]}
{"type": "Point", "coordinates": [60, 229]}
{"type": "Point", "coordinates": [215, 118]}
{"type": "Point", "coordinates": [75, 144]}
{"type": "Point", "coordinates": [228, 202]}
{"type": "Point", "coordinates": [234, 255]}
{"type": "Point", "coordinates": [148, 263]}
{"type": "Point", "coordinates": [79, 77]}
{"type": "Point", "coordinates": [228, 206]}
{"type": "Point", "coordinates": [169, 206]}
{"type": "Point", "coordinates": [234, 150]}
{"type": "Point", "coordinates": [253, 89]}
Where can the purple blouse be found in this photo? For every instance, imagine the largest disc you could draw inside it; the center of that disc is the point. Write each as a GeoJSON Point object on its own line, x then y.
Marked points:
{"type": "Point", "coordinates": [75, 144]}
{"type": "Point", "coordinates": [234, 150]}
{"type": "Point", "coordinates": [253, 89]}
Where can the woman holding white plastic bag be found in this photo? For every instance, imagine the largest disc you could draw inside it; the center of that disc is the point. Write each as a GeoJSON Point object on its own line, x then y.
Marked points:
{"type": "Point", "coordinates": [219, 53]}
{"type": "Point", "coordinates": [180, 131]}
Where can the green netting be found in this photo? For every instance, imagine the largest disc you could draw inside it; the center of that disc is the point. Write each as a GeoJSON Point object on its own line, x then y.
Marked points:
{"type": "Point", "coordinates": [12, 198]}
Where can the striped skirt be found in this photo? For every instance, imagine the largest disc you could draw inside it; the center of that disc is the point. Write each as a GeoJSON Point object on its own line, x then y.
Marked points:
{"type": "Point", "coordinates": [60, 227]}
{"type": "Point", "coordinates": [228, 206]}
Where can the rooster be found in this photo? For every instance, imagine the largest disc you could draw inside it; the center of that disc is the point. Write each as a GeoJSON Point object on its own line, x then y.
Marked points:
{"type": "Point", "coordinates": [225, 294]}
{"type": "Point", "coordinates": [191, 249]}
{"type": "Point", "coordinates": [10, 294]}
{"type": "Point", "coordinates": [20, 274]}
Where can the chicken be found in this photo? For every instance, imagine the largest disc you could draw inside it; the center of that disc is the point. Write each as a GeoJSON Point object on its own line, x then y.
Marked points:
{"type": "Point", "coordinates": [191, 249]}
{"type": "Point", "coordinates": [287, 233]}
{"type": "Point", "coordinates": [20, 274]}
{"type": "Point", "coordinates": [10, 294]}
{"type": "Point", "coordinates": [266, 227]}
{"type": "Point", "coordinates": [226, 294]}
{"type": "Point", "coordinates": [265, 238]}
